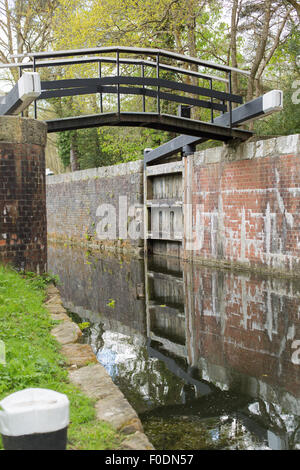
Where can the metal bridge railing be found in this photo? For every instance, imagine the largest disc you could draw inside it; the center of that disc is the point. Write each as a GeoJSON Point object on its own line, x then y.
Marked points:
{"type": "Point", "coordinates": [176, 88]}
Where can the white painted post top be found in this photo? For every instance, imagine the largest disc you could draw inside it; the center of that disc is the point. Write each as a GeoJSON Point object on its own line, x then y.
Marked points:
{"type": "Point", "coordinates": [33, 410]}
{"type": "Point", "coordinates": [272, 101]}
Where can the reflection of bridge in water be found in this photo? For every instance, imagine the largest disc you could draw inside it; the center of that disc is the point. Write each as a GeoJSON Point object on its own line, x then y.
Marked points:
{"type": "Point", "coordinates": [211, 343]}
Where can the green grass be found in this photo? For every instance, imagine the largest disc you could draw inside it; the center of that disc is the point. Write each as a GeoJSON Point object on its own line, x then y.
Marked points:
{"type": "Point", "coordinates": [33, 358]}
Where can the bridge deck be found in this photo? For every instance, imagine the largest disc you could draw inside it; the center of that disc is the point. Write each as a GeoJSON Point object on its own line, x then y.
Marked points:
{"type": "Point", "coordinates": [164, 122]}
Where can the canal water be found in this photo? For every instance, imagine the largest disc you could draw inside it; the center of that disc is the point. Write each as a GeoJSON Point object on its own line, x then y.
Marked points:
{"type": "Point", "coordinates": [209, 359]}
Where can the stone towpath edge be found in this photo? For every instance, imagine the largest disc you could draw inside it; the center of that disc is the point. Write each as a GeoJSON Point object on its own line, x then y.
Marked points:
{"type": "Point", "coordinates": [92, 378]}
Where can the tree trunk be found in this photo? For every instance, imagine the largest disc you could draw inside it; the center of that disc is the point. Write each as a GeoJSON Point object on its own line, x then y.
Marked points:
{"type": "Point", "coordinates": [275, 45]}
{"type": "Point", "coordinates": [192, 49]}
{"type": "Point", "coordinates": [260, 50]}
{"type": "Point", "coordinates": [233, 46]}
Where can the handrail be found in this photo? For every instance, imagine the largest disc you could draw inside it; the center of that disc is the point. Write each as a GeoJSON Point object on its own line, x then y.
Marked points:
{"type": "Point", "coordinates": [145, 84]}
{"type": "Point", "coordinates": [132, 50]}
{"type": "Point", "coordinates": [112, 60]}
{"type": "Point", "coordinates": [158, 59]}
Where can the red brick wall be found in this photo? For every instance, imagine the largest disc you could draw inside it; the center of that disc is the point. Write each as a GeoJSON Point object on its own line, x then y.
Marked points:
{"type": "Point", "coordinates": [247, 211]}
{"type": "Point", "coordinates": [23, 227]}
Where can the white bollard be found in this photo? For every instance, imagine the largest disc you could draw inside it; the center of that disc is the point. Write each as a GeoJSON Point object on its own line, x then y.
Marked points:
{"type": "Point", "coordinates": [34, 419]}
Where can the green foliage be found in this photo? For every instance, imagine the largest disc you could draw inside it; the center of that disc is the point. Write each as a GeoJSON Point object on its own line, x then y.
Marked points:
{"type": "Point", "coordinates": [127, 144]}
{"type": "Point", "coordinates": [109, 146]}
{"type": "Point", "coordinates": [84, 325]}
{"type": "Point", "coordinates": [33, 358]}
{"type": "Point", "coordinates": [40, 281]}
{"type": "Point", "coordinates": [31, 353]}
{"type": "Point", "coordinates": [186, 26]}
{"type": "Point", "coordinates": [63, 146]}
{"type": "Point", "coordinates": [287, 121]}
{"type": "Point", "coordinates": [89, 150]}
{"type": "Point", "coordinates": [162, 24]}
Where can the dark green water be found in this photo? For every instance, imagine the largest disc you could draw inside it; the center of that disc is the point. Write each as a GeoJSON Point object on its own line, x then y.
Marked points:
{"type": "Point", "coordinates": [209, 359]}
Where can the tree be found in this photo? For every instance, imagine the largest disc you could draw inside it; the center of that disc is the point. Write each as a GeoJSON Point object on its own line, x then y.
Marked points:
{"type": "Point", "coordinates": [26, 26]}
{"type": "Point", "coordinates": [296, 5]}
{"type": "Point", "coordinates": [285, 66]}
{"type": "Point", "coordinates": [253, 39]}
{"type": "Point", "coordinates": [258, 28]}
{"type": "Point", "coordinates": [169, 24]}
{"type": "Point", "coordinates": [232, 51]}
{"type": "Point", "coordinates": [180, 25]}
{"type": "Point", "coordinates": [267, 21]}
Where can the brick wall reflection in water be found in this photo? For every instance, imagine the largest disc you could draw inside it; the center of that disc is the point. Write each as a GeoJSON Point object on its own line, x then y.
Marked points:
{"type": "Point", "coordinates": [195, 331]}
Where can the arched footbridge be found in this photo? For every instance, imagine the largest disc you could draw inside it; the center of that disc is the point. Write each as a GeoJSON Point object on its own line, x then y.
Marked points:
{"type": "Point", "coordinates": [180, 94]}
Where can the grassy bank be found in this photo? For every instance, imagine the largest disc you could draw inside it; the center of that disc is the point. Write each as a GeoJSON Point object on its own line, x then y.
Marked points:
{"type": "Point", "coordinates": [33, 358]}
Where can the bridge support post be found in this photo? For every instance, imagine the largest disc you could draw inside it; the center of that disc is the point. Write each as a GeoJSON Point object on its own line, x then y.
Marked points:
{"type": "Point", "coordinates": [23, 227]}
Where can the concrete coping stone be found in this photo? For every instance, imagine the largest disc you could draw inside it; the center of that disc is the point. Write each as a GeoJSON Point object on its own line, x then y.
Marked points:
{"type": "Point", "coordinates": [15, 129]}
{"type": "Point", "coordinates": [112, 171]}
{"type": "Point", "coordinates": [265, 147]}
